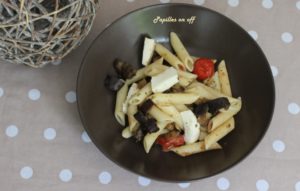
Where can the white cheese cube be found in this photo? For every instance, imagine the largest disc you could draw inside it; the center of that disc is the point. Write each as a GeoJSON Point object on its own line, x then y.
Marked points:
{"type": "Point", "coordinates": [148, 51]}
{"type": "Point", "coordinates": [164, 80]}
{"type": "Point", "coordinates": [191, 126]}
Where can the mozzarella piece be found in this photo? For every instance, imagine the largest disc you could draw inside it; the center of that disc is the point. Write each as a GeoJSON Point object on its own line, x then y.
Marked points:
{"type": "Point", "coordinates": [164, 80]}
{"type": "Point", "coordinates": [148, 51]}
{"type": "Point", "coordinates": [132, 90]}
{"type": "Point", "coordinates": [191, 126]}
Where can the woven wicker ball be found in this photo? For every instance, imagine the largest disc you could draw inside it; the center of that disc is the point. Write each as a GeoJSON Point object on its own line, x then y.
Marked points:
{"type": "Point", "coordinates": [37, 32]}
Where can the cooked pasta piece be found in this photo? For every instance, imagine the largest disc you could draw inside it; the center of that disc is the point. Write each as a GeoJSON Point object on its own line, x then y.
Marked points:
{"type": "Point", "coordinates": [214, 82]}
{"type": "Point", "coordinates": [159, 115]}
{"type": "Point", "coordinates": [141, 95]}
{"type": "Point", "coordinates": [174, 98]}
{"type": "Point", "coordinates": [121, 97]}
{"type": "Point", "coordinates": [189, 149]}
{"type": "Point", "coordinates": [181, 107]}
{"type": "Point", "coordinates": [172, 112]}
{"type": "Point", "coordinates": [183, 81]}
{"type": "Point", "coordinates": [169, 57]}
{"type": "Point", "coordinates": [187, 75]}
{"type": "Point", "coordinates": [224, 79]}
{"type": "Point", "coordinates": [132, 122]}
{"type": "Point", "coordinates": [225, 87]}
{"type": "Point", "coordinates": [219, 133]}
{"type": "Point", "coordinates": [155, 68]}
{"type": "Point", "coordinates": [140, 74]}
{"type": "Point", "coordinates": [205, 92]}
{"type": "Point", "coordinates": [181, 51]}
{"type": "Point", "coordinates": [126, 133]}
{"type": "Point", "coordinates": [150, 138]}
{"type": "Point", "coordinates": [203, 134]}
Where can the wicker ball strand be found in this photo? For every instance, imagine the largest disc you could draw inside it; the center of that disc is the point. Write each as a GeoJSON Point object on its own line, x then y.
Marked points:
{"type": "Point", "coordinates": [36, 33]}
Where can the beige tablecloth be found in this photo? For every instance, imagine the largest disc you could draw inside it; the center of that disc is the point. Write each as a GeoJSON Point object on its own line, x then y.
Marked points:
{"type": "Point", "coordinates": [43, 146]}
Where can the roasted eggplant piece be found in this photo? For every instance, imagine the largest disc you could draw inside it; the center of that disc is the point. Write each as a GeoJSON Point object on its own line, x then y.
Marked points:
{"type": "Point", "coordinates": [141, 117]}
{"type": "Point", "coordinates": [146, 106]}
{"type": "Point", "coordinates": [212, 106]}
{"type": "Point", "coordinates": [148, 125]}
{"type": "Point", "coordinates": [217, 104]}
{"type": "Point", "coordinates": [113, 83]}
{"type": "Point", "coordinates": [201, 109]}
{"type": "Point", "coordinates": [126, 71]}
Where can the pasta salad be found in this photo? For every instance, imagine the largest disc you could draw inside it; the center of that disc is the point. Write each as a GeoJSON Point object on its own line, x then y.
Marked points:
{"type": "Point", "coordinates": [180, 102]}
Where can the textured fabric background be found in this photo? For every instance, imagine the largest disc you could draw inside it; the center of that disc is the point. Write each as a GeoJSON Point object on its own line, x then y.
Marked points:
{"type": "Point", "coordinates": [43, 146]}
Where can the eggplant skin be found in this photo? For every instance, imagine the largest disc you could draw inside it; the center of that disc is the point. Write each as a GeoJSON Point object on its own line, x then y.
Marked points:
{"type": "Point", "coordinates": [217, 104]}
{"type": "Point", "coordinates": [151, 126]}
{"type": "Point", "coordinates": [141, 117]}
{"type": "Point", "coordinates": [123, 69]}
{"type": "Point", "coordinates": [201, 109]}
{"type": "Point", "coordinates": [146, 106]}
{"type": "Point", "coordinates": [113, 83]}
{"type": "Point", "coordinates": [148, 125]}
{"type": "Point", "coordinates": [212, 106]}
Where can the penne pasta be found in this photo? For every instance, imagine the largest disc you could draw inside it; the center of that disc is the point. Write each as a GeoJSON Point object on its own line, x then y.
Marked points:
{"type": "Point", "coordinates": [121, 97]}
{"type": "Point", "coordinates": [155, 68]}
{"type": "Point", "coordinates": [181, 51]}
{"type": "Point", "coordinates": [172, 112]}
{"type": "Point", "coordinates": [205, 92]}
{"type": "Point", "coordinates": [198, 147]}
{"type": "Point", "coordinates": [132, 122]}
{"type": "Point", "coordinates": [150, 138]}
{"type": "Point", "coordinates": [141, 95]}
{"type": "Point", "coordinates": [224, 79]}
{"type": "Point", "coordinates": [140, 74]}
{"type": "Point", "coordinates": [184, 82]}
{"type": "Point", "coordinates": [219, 133]}
{"type": "Point", "coordinates": [169, 57]}
{"type": "Point", "coordinates": [126, 133]}
{"type": "Point", "coordinates": [225, 88]}
{"type": "Point", "coordinates": [214, 82]}
{"type": "Point", "coordinates": [202, 135]}
{"type": "Point", "coordinates": [174, 98]}
{"type": "Point", "coordinates": [159, 115]}
{"type": "Point", "coordinates": [131, 91]}
{"type": "Point", "coordinates": [187, 75]}
{"type": "Point", "coordinates": [181, 107]}
{"type": "Point", "coordinates": [202, 92]}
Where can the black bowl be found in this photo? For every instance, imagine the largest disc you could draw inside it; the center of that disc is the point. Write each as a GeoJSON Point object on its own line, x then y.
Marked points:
{"type": "Point", "coordinates": [211, 35]}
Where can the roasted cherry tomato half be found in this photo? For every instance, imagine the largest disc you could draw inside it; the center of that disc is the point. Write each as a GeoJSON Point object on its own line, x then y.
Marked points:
{"type": "Point", "coordinates": [170, 140]}
{"type": "Point", "coordinates": [204, 68]}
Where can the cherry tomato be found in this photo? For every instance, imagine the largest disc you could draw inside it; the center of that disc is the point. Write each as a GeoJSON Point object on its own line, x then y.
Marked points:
{"type": "Point", "coordinates": [203, 68]}
{"type": "Point", "coordinates": [170, 140]}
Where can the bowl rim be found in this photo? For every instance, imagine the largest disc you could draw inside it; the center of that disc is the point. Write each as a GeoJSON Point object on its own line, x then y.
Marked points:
{"type": "Point", "coordinates": [273, 87]}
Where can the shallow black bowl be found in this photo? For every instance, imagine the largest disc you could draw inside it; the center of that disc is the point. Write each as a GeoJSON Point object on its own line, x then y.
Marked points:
{"type": "Point", "coordinates": [211, 35]}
